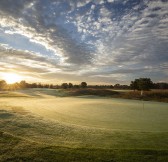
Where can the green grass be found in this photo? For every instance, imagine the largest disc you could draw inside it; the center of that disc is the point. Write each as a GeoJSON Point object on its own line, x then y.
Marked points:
{"type": "Point", "coordinates": [47, 128]}
{"type": "Point", "coordinates": [18, 149]}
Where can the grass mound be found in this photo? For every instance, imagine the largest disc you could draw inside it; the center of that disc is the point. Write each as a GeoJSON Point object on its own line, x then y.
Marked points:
{"type": "Point", "coordinates": [96, 92]}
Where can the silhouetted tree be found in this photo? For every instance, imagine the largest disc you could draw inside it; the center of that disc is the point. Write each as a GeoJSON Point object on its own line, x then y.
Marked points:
{"type": "Point", "coordinates": [15, 86]}
{"type": "Point", "coordinates": [2, 84]}
{"type": "Point", "coordinates": [117, 86]}
{"type": "Point", "coordinates": [134, 84]}
{"type": "Point", "coordinates": [64, 85]}
{"type": "Point", "coordinates": [34, 85]}
{"type": "Point", "coordinates": [83, 84]}
{"type": "Point", "coordinates": [23, 84]}
{"type": "Point", "coordinates": [145, 84]}
{"type": "Point", "coordinates": [70, 85]}
{"type": "Point", "coordinates": [39, 85]}
{"type": "Point", "coordinates": [76, 86]}
{"type": "Point", "coordinates": [111, 87]}
{"type": "Point", "coordinates": [51, 86]}
{"type": "Point", "coordinates": [160, 85]}
{"type": "Point", "coordinates": [46, 86]}
{"type": "Point", "coordinates": [142, 84]}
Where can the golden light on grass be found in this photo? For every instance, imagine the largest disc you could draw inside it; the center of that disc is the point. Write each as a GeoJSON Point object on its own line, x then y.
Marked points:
{"type": "Point", "coordinates": [11, 78]}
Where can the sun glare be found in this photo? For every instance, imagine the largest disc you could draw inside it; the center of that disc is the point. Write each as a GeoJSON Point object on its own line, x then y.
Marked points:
{"type": "Point", "coordinates": [11, 78]}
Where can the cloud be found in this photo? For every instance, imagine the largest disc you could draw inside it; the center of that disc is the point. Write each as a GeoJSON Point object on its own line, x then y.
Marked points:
{"type": "Point", "coordinates": [14, 59]}
{"type": "Point", "coordinates": [80, 37]}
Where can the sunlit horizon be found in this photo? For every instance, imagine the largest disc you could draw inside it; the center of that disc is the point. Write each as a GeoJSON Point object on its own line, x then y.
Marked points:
{"type": "Point", "coordinates": [11, 78]}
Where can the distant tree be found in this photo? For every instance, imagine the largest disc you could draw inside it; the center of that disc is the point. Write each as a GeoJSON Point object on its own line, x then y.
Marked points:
{"type": "Point", "coordinates": [23, 84]}
{"type": "Point", "coordinates": [64, 85]}
{"type": "Point", "coordinates": [83, 84]}
{"type": "Point", "coordinates": [161, 85]}
{"type": "Point", "coordinates": [57, 86]}
{"type": "Point", "coordinates": [111, 86]}
{"type": "Point", "coordinates": [39, 85]}
{"type": "Point", "coordinates": [134, 84]}
{"type": "Point", "coordinates": [46, 86]}
{"type": "Point", "coordinates": [76, 86]}
{"type": "Point", "coordinates": [15, 86]}
{"type": "Point", "coordinates": [117, 86]}
{"type": "Point", "coordinates": [34, 85]}
{"type": "Point", "coordinates": [51, 86]}
{"type": "Point", "coordinates": [70, 85]}
{"type": "Point", "coordinates": [3, 84]}
{"type": "Point", "coordinates": [142, 84]}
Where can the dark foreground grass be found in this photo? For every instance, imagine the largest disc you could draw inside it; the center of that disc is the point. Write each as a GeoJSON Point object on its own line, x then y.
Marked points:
{"type": "Point", "coordinates": [16, 149]}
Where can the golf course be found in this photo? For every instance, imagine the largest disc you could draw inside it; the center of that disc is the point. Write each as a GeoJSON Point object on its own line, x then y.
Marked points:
{"type": "Point", "coordinates": [41, 125]}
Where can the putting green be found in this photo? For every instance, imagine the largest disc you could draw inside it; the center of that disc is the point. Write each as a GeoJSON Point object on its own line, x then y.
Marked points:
{"type": "Point", "coordinates": [97, 112]}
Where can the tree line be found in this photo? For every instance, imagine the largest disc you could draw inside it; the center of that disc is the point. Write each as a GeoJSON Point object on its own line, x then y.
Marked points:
{"type": "Point", "coordinates": [137, 84]}
{"type": "Point", "coordinates": [147, 84]}
{"type": "Point", "coordinates": [23, 84]}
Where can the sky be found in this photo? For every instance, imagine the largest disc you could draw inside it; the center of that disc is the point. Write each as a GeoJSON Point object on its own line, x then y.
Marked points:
{"type": "Point", "coordinates": [97, 41]}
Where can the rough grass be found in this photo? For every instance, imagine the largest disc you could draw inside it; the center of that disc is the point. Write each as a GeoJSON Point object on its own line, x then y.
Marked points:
{"type": "Point", "coordinates": [153, 95]}
{"type": "Point", "coordinates": [96, 92]}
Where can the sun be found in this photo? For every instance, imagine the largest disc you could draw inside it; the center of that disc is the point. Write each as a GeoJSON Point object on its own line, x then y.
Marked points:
{"type": "Point", "coordinates": [11, 78]}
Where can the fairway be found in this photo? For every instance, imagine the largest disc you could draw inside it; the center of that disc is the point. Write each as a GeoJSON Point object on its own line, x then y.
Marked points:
{"type": "Point", "coordinates": [87, 122]}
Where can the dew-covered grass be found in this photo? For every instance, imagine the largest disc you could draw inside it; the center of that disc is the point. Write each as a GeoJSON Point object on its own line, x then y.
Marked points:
{"type": "Point", "coordinates": [48, 128]}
